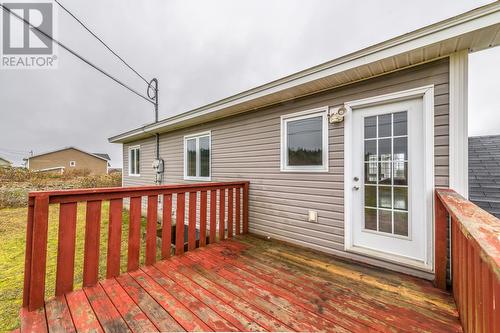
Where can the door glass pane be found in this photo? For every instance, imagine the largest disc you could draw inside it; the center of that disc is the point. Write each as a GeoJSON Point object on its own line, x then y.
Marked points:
{"type": "Point", "coordinates": [370, 150]}
{"type": "Point", "coordinates": [400, 123]}
{"type": "Point", "coordinates": [385, 221]}
{"type": "Point", "coordinates": [400, 173]}
{"type": "Point", "coordinates": [204, 156]}
{"type": "Point", "coordinates": [384, 125]}
{"type": "Point", "coordinates": [305, 141]}
{"type": "Point", "coordinates": [386, 173]}
{"type": "Point", "coordinates": [401, 223]}
{"type": "Point", "coordinates": [385, 196]}
{"type": "Point", "coordinates": [191, 157]}
{"type": "Point", "coordinates": [371, 172]}
{"type": "Point", "coordinates": [401, 198]}
{"type": "Point", "coordinates": [401, 149]}
{"type": "Point", "coordinates": [370, 219]}
{"type": "Point", "coordinates": [370, 127]}
{"type": "Point", "coordinates": [371, 196]}
{"type": "Point", "coordinates": [385, 149]}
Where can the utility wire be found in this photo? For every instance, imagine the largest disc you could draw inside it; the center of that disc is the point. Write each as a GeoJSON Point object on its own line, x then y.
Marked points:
{"type": "Point", "coordinates": [77, 55]}
{"type": "Point", "coordinates": [101, 41]}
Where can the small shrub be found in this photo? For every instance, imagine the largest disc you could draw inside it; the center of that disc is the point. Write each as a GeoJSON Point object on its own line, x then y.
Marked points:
{"type": "Point", "coordinates": [16, 183]}
{"type": "Point", "coordinates": [13, 197]}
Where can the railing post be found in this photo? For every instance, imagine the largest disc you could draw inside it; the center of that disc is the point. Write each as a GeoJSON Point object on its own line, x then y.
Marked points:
{"type": "Point", "coordinates": [440, 241]}
{"type": "Point", "coordinates": [38, 252]}
{"type": "Point", "coordinates": [29, 249]}
{"type": "Point", "coordinates": [246, 188]}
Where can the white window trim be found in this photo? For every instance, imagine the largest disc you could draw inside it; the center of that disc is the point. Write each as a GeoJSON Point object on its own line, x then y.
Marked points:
{"type": "Point", "coordinates": [198, 165]}
{"type": "Point", "coordinates": [427, 93]}
{"type": "Point", "coordinates": [323, 112]}
{"type": "Point", "coordinates": [72, 163]}
{"type": "Point", "coordinates": [130, 163]}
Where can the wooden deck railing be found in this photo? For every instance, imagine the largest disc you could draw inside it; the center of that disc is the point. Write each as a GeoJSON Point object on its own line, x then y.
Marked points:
{"type": "Point", "coordinates": [197, 212]}
{"type": "Point", "coordinates": [475, 260]}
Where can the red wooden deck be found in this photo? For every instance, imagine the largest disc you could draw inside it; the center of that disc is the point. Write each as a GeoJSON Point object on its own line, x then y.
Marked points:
{"type": "Point", "coordinates": [248, 284]}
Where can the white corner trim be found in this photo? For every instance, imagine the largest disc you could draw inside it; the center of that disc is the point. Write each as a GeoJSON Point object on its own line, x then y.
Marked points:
{"type": "Point", "coordinates": [427, 94]}
{"type": "Point", "coordinates": [458, 127]}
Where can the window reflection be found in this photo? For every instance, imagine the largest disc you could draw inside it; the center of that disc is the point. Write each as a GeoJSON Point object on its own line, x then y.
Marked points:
{"type": "Point", "coordinates": [191, 157]}
{"type": "Point", "coordinates": [305, 141]}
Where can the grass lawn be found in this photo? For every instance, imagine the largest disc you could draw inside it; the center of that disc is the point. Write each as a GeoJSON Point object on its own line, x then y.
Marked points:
{"type": "Point", "coordinates": [12, 246]}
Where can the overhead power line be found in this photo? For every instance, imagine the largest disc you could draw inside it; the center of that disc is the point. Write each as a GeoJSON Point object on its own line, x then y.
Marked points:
{"type": "Point", "coordinates": [88, 62]}
{"type": "Point", "coordinates": [101, 41]}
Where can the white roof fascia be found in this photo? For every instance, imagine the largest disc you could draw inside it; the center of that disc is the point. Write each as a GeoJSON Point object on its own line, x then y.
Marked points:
{"type": "Point", "coordinates": [476, 19]}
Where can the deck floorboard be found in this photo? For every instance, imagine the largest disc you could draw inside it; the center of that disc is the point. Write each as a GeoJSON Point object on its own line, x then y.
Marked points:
{"type": "Point", "coordinates": [250, 284]}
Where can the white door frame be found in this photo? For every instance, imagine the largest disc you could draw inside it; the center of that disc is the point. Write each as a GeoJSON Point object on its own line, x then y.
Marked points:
{"type": "Point", "coordinates": [427, 93]}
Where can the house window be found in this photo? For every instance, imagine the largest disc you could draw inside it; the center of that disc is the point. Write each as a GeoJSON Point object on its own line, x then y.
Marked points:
{"type": "Point", "coordinates": [72, 163]}
{"type": "Point", "coordinates": [197, 156]}
{"type": "Point", "coordinates": [304, 141]}
{"type": "Point", "coordinates": [134, 164]}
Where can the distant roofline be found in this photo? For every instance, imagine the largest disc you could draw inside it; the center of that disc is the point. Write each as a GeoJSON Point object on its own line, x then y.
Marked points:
{"type": "Point", "coordinates": [6, 160]}
{"type": "Point", "coordinates": [473, 20]}
{"type": "Point", "coordinates": [66, 148]}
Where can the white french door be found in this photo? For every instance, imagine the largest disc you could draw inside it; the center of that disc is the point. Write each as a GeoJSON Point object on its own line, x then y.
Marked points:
{"type": "Point", "coordinates": [388, 189]}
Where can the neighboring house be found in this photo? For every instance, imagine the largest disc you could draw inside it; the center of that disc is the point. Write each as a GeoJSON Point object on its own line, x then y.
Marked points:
{"type": "Point", "coordinates": [69, 158]}
{"type": "Point", "coordinates": [343, 157]}
{"type": "Point", "coordinates": [484, 172]}
{"type": "Point", "coordinates": [5, 162]}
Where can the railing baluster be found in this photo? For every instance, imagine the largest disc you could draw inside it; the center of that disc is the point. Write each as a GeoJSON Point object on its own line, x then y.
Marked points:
{"type": "Point", "coordinates": [213, 214]}
{"type": "Point", "coordinates": [92, 235]}
{"type": "Point", "coordinates": [230, 203]}
{"type": "Point", "coordinates": [488, 302]}
{"type": "Point", "coordinates": [192, 221]}
{"type": "Point", "coordinates": [66, 248]}
{"type": "Point", "coordinates": [114, 238]}
{"type": "Point", "coordinates": [166, 229]}
{"type": "Point", "coordinates": [222, 213]}
{"type": "Point", "coordinates": [464, 277]}
{"type": "Point", "coordinates": [238, 210]}
{"type": "Point", "coordinates": [470, 287]}
{"type": "Point", "coordinates": [478, 293]}
{"type": "Point", "coordinates": [152, 220]}
{"type": "Point", "coordinates": [179, 223]}
{"type": "Point", "coordinates": [134, 233]}
{"type": "Point", "coordinates": [39, 252]}
{"type": "Point", "coordinates": [203, 218]}
{"type": "Point", "coordinates": [496, 314]}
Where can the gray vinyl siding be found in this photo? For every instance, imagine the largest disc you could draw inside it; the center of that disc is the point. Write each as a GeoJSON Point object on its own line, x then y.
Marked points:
{"type": "Point", "coordinates": [247, 147]}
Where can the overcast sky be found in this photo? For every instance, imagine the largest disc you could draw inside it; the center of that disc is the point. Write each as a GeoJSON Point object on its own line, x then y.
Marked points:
{"type": "Point", "coordinates": [202, 51]}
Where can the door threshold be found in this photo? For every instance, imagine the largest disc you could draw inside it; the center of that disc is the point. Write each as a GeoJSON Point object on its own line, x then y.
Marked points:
{"type": "Point", "coordinates": [392, 258]}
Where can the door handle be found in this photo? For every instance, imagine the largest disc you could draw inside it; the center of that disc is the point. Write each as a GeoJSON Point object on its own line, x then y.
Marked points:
{"type": "Point", "coordinates": [355, 187]}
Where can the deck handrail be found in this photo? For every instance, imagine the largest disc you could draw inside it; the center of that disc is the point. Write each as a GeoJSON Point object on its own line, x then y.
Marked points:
{"type": "Point", "coordinates": [205, 202]}
{"type": "Point", "coordinates": [475, 260]}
